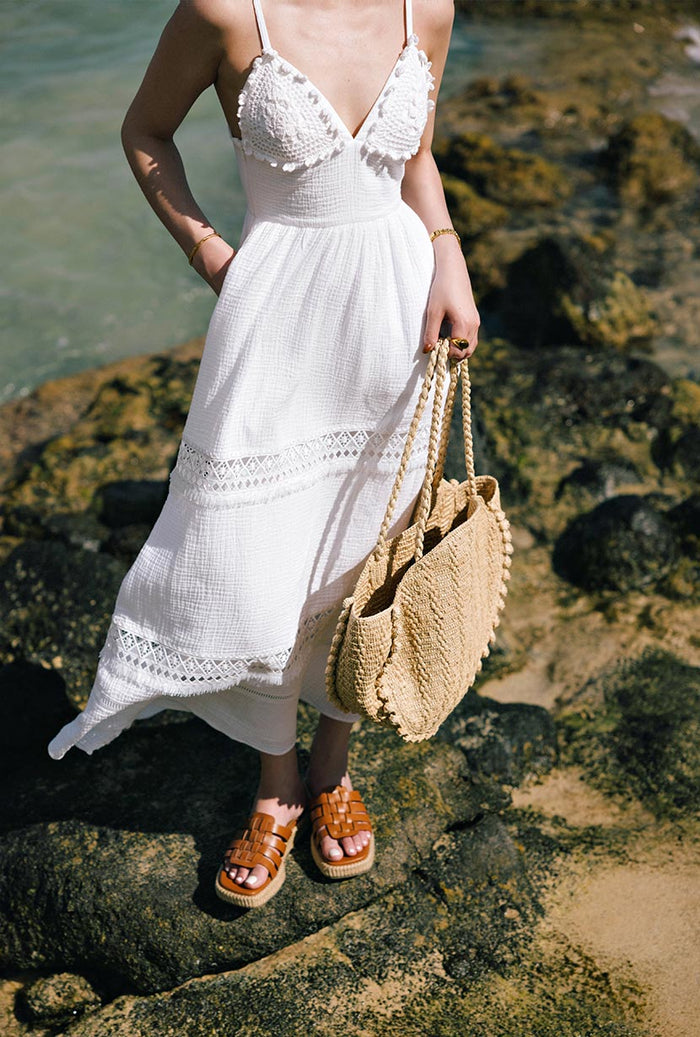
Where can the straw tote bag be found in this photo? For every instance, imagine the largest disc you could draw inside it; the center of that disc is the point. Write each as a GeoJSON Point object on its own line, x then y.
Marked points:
{"type": "Point", "coordinates": [411, 639]}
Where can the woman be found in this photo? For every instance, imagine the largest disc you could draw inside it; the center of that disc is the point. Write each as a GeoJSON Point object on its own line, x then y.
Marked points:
{"type": "Point", "coordinates": [311, 369]}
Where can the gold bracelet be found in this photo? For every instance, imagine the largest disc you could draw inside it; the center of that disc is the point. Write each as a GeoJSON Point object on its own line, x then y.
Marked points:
{"type": "Point", "coordinates": [196, 248]}
{"type": "Point", "coordinates": [445, 230]}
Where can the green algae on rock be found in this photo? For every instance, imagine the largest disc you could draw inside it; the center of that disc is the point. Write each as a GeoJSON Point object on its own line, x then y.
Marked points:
{"type": "Point", "coordinates": [652, 160]}
{"type": "Point", "coordinates": [643, 739]}
{"type": "Point", "coordinates": [507, 176]}
{"type": "Point", "coordinates": [564, 290]}
{"type": "Point", "coordinates": [471, 213]}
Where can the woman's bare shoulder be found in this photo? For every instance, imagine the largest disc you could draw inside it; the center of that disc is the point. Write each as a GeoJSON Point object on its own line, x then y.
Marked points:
{"type": "Point", "coordinates": [221, 15]}
{"type": "Point", "coordinates": [434, 14]}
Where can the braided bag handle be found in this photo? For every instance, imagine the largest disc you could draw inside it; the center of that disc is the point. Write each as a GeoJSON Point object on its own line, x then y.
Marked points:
{"type": "Point", "coordinates": [437, 444]}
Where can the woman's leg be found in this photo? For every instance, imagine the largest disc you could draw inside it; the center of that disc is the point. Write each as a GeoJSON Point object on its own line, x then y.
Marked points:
{"type": "Point", "coordinates": [280, 793]}
{"type": "Point", "coordinates": [328, 767]}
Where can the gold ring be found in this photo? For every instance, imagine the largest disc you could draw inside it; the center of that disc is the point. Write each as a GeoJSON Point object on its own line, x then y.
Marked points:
{"type": "Point", "coordinates": [461, 343]}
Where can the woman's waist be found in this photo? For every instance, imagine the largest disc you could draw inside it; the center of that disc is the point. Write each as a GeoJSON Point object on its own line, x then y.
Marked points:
{"type": "Point", "coordinates": [335, 191]}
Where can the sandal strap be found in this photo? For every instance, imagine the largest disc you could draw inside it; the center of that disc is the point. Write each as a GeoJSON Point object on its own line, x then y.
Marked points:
{"type": "Point", "coordinates": [262, 841]}
{"type": "Point", "coordinates": [341, 812]}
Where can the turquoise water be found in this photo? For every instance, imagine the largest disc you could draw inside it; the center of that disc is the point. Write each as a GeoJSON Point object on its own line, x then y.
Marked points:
{"type": "Point", "coordinates": [89, 274]}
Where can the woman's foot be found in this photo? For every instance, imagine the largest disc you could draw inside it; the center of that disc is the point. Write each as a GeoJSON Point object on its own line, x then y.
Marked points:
{"type": "Point", "coordinates": [328, 769]}
{"type": "Point", "coordinates": [282, 795]}
{"type": "Point", "coordinates": [349, 846]}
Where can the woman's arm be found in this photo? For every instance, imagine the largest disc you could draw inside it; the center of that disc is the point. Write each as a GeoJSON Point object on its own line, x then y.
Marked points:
{"type": "Point", "coordinates": [451, 298]}
{"type": "Point", "coordinates": [184, 64]}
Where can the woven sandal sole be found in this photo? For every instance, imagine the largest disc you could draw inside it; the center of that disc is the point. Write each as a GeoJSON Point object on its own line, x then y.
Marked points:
{"type": "Point", "coordinates": [343, 871]}
{"type": "Point", "coordinates": [256, 898]}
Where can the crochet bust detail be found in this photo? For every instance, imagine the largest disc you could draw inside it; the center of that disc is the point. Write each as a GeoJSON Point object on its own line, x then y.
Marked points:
{"type": "Point", "coordinates": [286, 121]}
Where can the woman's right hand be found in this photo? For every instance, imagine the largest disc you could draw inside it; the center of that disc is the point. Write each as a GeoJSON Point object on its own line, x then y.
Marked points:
{"type": "Point", "coordinates": [212, 262]}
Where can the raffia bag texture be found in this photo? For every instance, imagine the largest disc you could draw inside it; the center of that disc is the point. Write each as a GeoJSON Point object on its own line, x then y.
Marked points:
{"type": "Point", "coordinates": [412, 637]}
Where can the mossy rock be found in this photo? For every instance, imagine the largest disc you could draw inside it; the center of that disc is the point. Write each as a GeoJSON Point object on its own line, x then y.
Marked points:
{"type": "Point", "coordinates": [593, 481]}
{"type": "Point", "coordinates": [626, 543]}
{"type": "Point", "coordinates": [55, 607]}
{"type": "Point", "coordinates": [644, 740]}
{"type": "Point", "coordinates": [472, 214]}
{"type": "Point", "coordinates": [652, 160]}
{"type": "Point", "coordinates": [128, 431]}
{"type": "Point", "coordinates": [469, 906]}
{"type": "Point", "coordinates": [57, 1000]}
{"type": "Point", "coordinates": [507, 176]}
{"type": "Point", "coordinates": [677, 448]}
{"type": "Point", "coordinates": [620, 316]}
{"type": "Point", "coordinates": [508, 741]}
{"type": "Point", "coordinates": [563, 290]}
{"type": "Point", "coordinates": [111, 843]}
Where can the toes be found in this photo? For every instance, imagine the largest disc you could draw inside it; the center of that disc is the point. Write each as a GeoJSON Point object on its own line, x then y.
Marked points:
{"type": "Point", "coordinates": [330, 849]}
{"type": "Point", "coordinates": [241, 875]}
{"type": "Point", "coordinates": [256, 877]}
{"type": "Point", "coordinates": [349, 846]}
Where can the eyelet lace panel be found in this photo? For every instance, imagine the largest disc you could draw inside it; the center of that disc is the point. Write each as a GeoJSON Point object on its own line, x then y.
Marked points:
{"type": "Point", "coordinates": [205, 477]}
{"type": "Point", "coordinates": [170, 670]}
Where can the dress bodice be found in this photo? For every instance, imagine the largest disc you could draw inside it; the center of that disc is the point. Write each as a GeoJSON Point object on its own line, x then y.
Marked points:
{"type": "Point", "coordinates": [287, 123]}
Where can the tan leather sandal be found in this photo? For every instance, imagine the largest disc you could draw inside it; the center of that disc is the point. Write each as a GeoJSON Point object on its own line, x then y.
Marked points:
{"type": "Point", "coordinates": [338, 812]}
{"type": "Point", "coordinates": [263, 841]}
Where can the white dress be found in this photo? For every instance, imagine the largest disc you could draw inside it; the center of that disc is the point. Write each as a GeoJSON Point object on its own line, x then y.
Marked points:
{"type": "Point", "coordinates": [309, 377]}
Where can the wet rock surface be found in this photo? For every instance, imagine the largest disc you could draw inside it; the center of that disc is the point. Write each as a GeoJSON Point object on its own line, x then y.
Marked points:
{"type": "Point", "coordinates": [581, 246]}
{"type": "Point", "coordinates": [566, 291]}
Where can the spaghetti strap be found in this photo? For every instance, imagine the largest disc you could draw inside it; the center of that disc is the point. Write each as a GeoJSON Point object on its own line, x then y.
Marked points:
{"type": "Point", "coordinates": [409, 19]}
{"type": "Point", "coordinates": [262, 28]}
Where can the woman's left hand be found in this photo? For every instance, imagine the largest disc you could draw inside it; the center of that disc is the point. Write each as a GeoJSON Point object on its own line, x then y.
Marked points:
{"type": "Point", "coordinates": [451, 301]}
